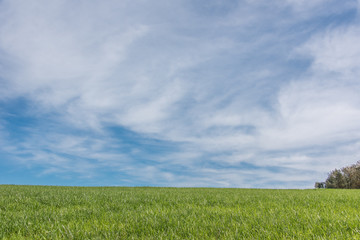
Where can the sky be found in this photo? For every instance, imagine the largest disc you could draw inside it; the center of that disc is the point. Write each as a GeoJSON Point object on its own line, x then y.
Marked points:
{"type": "Point", "coordinates": [181, 93]}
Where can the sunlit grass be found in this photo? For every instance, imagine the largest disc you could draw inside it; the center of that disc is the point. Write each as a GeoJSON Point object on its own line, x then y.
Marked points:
{"type": "Point", "coordinates": [44, 212]}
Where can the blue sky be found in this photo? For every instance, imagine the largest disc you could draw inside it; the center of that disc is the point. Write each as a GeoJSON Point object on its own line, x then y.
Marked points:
{"type": "Point", "coordinates": [183, 93]}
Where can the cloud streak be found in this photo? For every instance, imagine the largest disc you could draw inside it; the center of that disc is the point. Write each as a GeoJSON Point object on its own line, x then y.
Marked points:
{"type": "Point", "coordinates": [240, 94]}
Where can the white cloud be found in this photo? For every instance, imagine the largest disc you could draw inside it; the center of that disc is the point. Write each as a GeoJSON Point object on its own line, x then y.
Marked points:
{"type": "Point", "coordinates": [314, 113]}
{"type": "Point", "coordinates": [213, 85]}
{"type": "Point", "coordinates": [335, 51]}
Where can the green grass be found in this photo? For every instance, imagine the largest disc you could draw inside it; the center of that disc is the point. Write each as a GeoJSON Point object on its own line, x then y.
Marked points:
{"type": "Point", "coordinates": [45, 212]}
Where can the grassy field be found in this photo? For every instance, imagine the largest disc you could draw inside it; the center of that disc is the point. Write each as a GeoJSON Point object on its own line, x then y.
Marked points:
{"type": "Point", "coordinates": [46, 212]}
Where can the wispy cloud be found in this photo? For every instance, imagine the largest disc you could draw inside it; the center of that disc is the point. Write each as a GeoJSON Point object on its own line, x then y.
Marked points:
{"type": "Point", "coordinates": [181, 93]}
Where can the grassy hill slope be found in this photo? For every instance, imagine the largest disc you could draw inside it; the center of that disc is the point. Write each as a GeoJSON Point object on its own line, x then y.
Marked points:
{"type": "Point", "coordinates": [48, 212]}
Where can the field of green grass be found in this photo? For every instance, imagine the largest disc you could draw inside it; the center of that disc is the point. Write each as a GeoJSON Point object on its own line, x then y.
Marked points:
{"type": "Point", "coordinates": [48, 212]}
